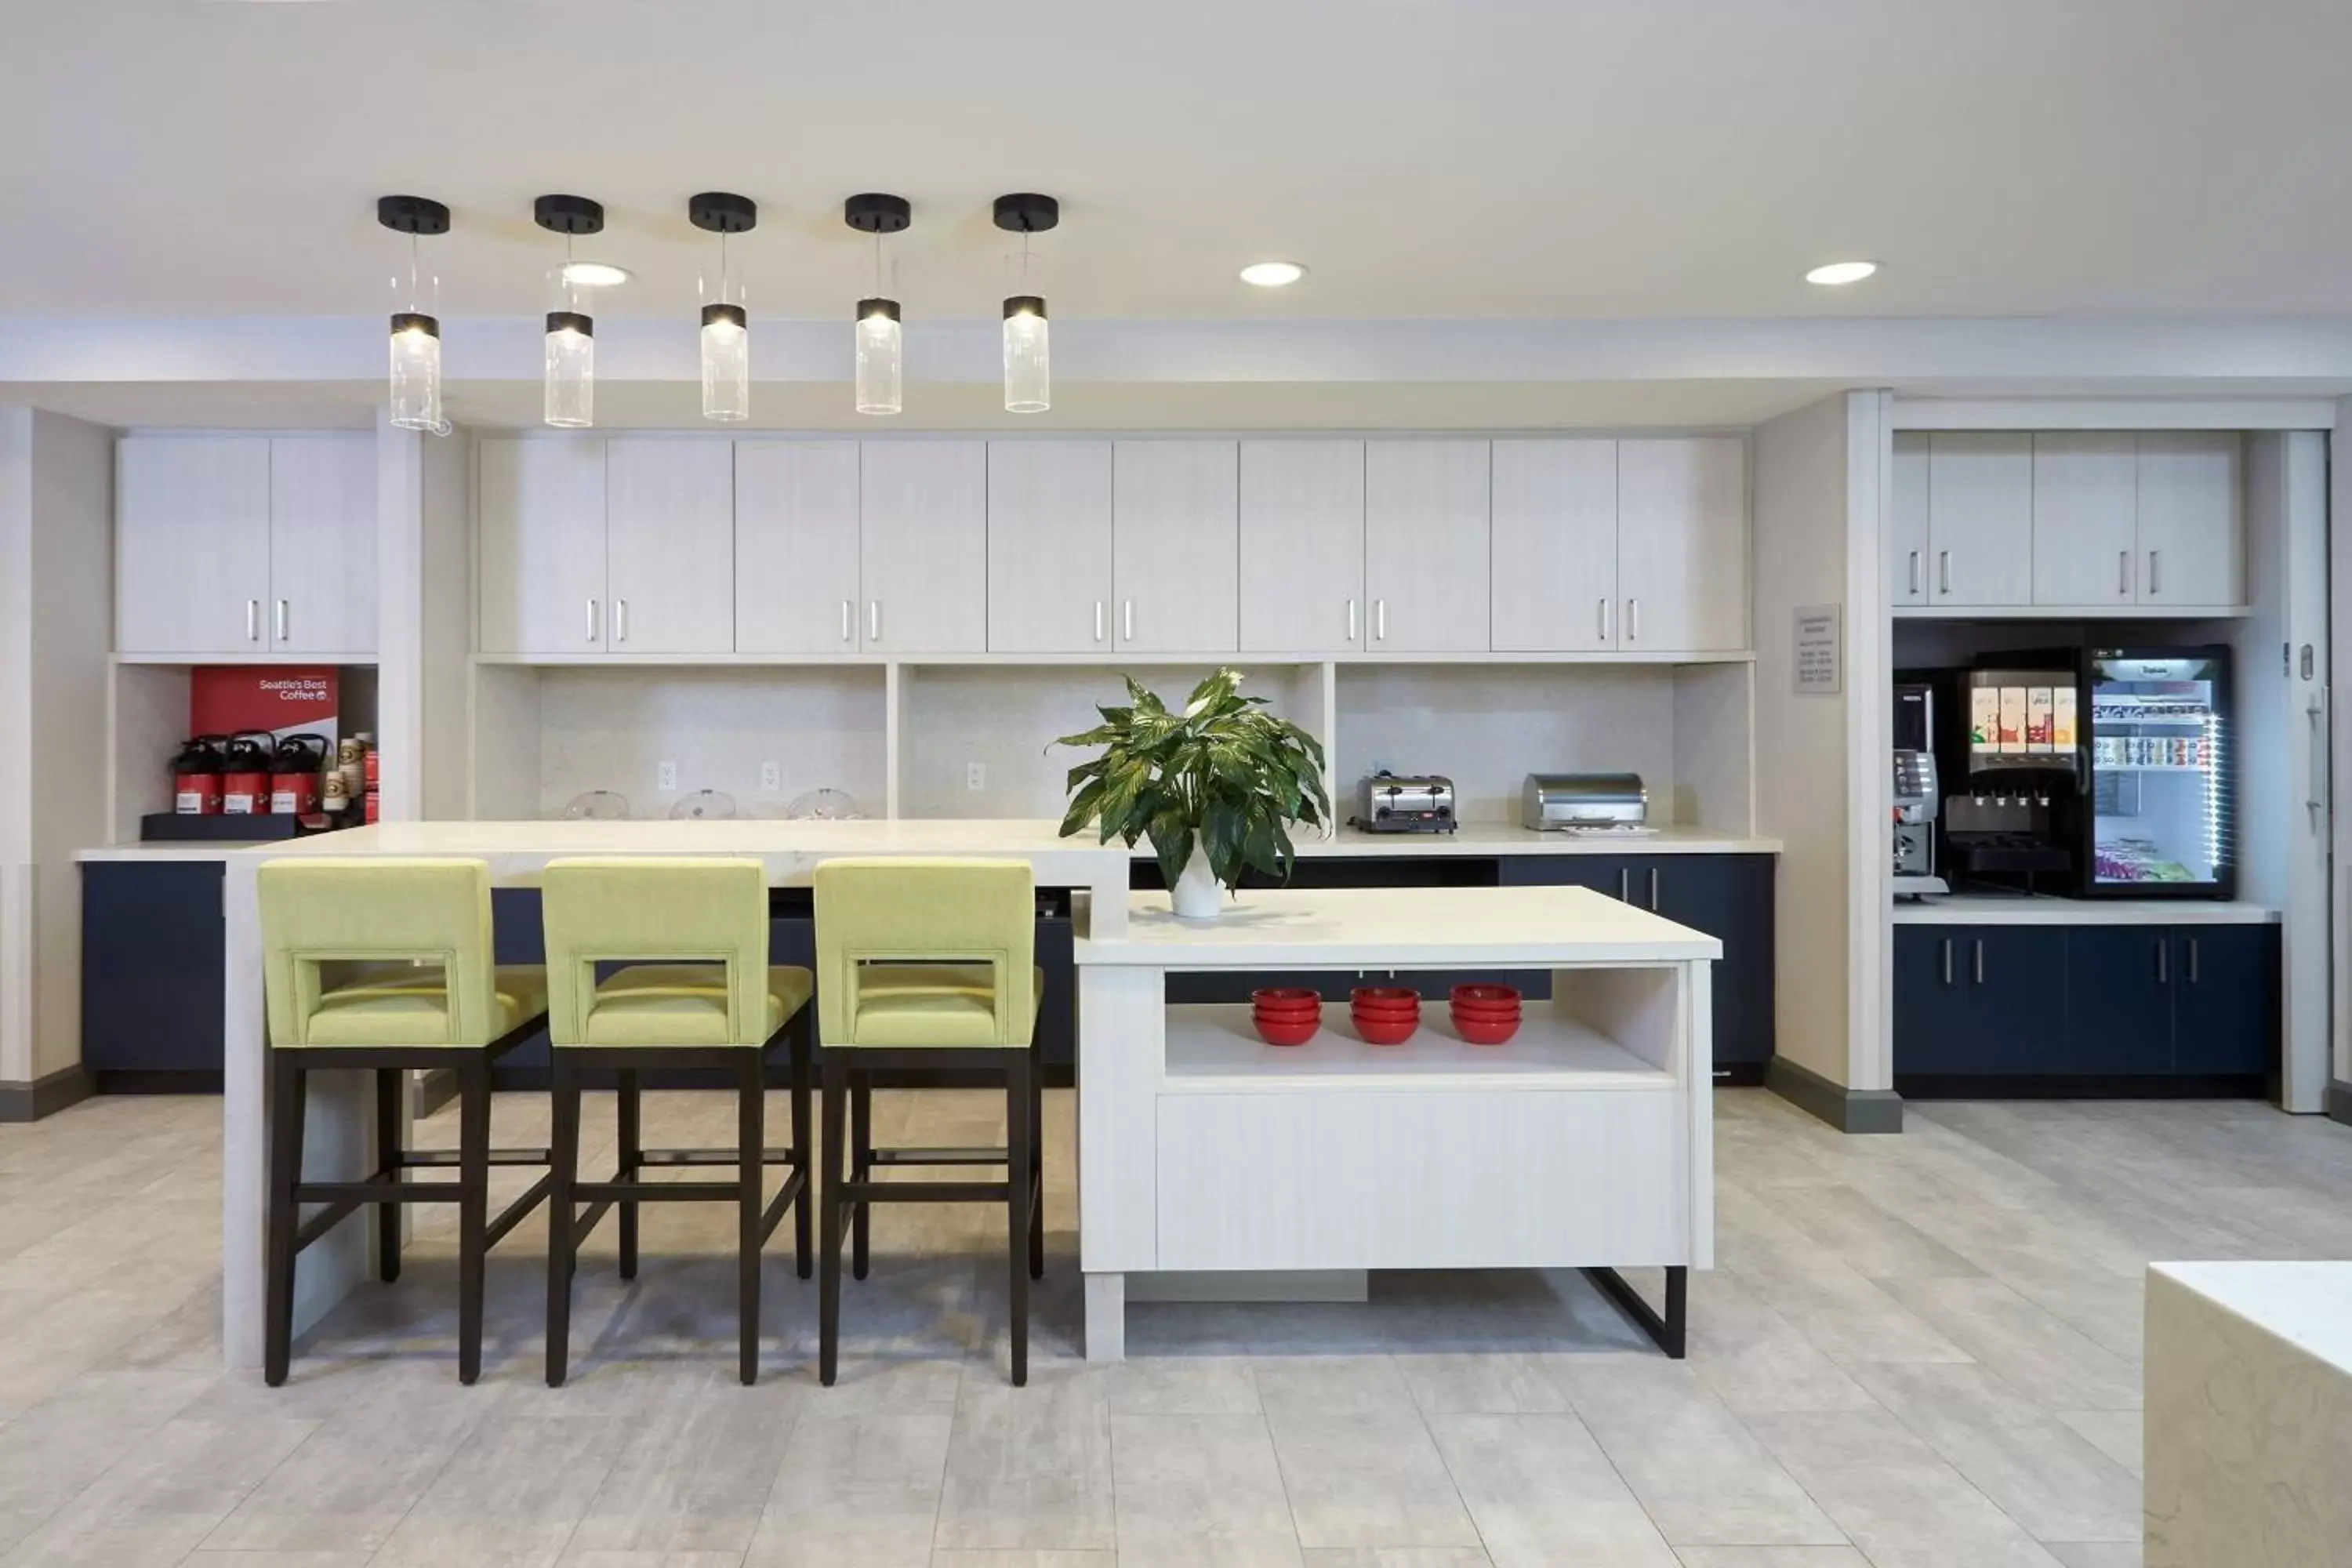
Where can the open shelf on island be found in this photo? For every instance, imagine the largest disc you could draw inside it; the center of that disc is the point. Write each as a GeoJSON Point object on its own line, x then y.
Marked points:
{"type": "Point", "coordinates": [1213, 1047]}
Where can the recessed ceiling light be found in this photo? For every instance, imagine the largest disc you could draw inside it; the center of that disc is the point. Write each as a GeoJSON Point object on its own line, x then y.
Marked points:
{"type": "Point", "coordinates": [593, 274]}
{"type": "Point", "coordinates": [1838, 272]}
{"type": "Point", "coordinates": [1273, 274]}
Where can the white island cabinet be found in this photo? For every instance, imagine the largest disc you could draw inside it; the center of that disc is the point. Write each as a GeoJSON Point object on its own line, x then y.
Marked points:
{"type": "Point", "coordinates": [1586, 1141]}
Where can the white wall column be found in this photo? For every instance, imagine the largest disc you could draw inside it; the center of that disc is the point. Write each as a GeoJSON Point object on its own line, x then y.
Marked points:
{"type": "Point", "coordinates": [424, 620]}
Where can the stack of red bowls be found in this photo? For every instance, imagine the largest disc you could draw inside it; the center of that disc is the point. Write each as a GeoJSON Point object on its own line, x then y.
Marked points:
{"type": "Point", "coordinates": [1385, 1015]}
{"type": "Point", "coordinates": [1286, 1015]}
{"type": "Point", "coordinates": [1486, 1015]}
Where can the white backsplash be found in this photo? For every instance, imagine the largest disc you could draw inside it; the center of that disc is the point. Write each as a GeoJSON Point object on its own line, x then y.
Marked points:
{"type": "Point", "coordinates": [610, 729]}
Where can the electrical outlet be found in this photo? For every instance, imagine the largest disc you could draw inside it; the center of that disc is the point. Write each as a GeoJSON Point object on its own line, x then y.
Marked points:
{"type": "Point", "coordinates": [975, 775]}
{"type": "Point", "coordinates": [666, 777]}
{"type": "Point", "coordinates": [772, 776]}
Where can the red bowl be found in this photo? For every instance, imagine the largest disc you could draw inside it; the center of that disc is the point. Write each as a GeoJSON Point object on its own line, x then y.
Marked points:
{"type": "Point", "coordinates": [1484, 1031]}
{"type": "Point", "coordinates": [1487, 997]}
{"type": "Point", "coordinates": [1386, 1031]}
{"type": "Point", "coordinates": [1288, 1032]}
{"type": "Point", "coordinates": [1285, 999]}
{"type": "Point", "coordinates": [1406, 1015]}
{"type": "Point", "coordinates": [1292, 1014]}
{"type": "Point", "coordinates": [1487, 1014]}
{"type": "Point", "coordinates": [1385, 997]}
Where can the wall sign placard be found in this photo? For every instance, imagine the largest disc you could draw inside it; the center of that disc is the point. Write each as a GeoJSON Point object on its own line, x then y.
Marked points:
{"type": "Point", "coordinates": [1819, 662]}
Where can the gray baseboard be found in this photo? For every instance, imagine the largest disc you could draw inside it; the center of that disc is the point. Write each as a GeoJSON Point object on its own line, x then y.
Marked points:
{"type": "Point", "coordinates": [1847, 1110]}
{"type": "Point", "coordinates": [45, 1096]}
{"type": "Point", "coordinates": [435, 1088]}
{"type": "Point", "coordinates": [2339, 1101]}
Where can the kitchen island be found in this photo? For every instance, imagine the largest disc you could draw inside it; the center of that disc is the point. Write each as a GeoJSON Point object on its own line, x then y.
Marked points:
{"type": "Point", "coordinates": [1585, 1141]}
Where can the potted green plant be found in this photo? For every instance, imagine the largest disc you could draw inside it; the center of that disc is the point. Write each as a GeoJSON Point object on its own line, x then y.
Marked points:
{"type": "Point", "coordinates": [1214, 787]}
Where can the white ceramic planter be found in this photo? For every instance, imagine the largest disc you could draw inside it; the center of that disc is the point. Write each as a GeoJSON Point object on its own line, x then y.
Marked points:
{"type": "Point", "coordinates": [1197, 895]}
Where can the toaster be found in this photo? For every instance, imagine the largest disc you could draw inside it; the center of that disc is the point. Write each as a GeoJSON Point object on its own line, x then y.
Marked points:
{"type": "Point", "coordinates": [1389, 803]}
{"type": "Point", "coordinates": [1588, 803]}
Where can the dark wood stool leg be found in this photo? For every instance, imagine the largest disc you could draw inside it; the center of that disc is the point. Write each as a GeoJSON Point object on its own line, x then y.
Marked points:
{"type": "Point", "coordinates": [750, 1134]}
{"type": "Point", "coordinates": [284, 1215]}
{"type": "Point", "coordinates": [388, 1145]}
{"type": "Point", "coordinates": [1018, 1136]}
{"type": "Point", "coordinates": [473, 1208]}
{"type": "Point", "coordinates": [804, 1146]}
{"type": "Point", "coordinates": [828, 1311]}
{"type": "Point", "coordinates": [563, 1154]}
{"type": "Point", "coordinates": [861, 1168]}
{"type": "Point", "coordinates": [1037, 1163]}
{"type": "Point", "coordinates": [632, 1154]}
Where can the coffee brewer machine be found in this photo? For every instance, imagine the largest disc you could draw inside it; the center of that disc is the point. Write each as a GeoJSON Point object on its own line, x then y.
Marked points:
{"type": "Point", "coordinates": [2017, 758]}
{"type": "Point", "coordinates": [1915, 790]}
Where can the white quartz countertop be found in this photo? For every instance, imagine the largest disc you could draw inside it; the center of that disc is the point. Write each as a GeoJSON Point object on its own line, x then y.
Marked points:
{"type": "Point", "coordinates": [163, 850]}
{"type": "Point", "coordinates": [1502, 838]}
{"type": "Point", "coordinates": [2012, 909]}
{"type": "Point", "coordinates": [1399, 928]}
{"type": "Point", "coordinates": [2307, 1304]}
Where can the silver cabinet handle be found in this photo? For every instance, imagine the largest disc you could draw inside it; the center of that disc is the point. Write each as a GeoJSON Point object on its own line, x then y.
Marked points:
{"type": "Point", "coordinates": [620, 620]}
{"type": "Point", "coordinates": [1625, 884]}
{"type": "Point", "coordinates": [2163, 960]}
{"type": "Point", "coordinates": [1381, 620]}
{"type": "Point", "coordinates": [1654, 889]}
{"type": "Point", "coordinates": [1980, 961]}
{"type": "Point", "coordinates": [282, 632]}
{"type": "Point", "coordinates": [1632, 620]}
{"type": "Point", "coordinates": [2316, 796]}
{"type": "Point", "coordinates": [2192, 961]}
{"type": "Point", "coordinates": [1943, 571]}
{"type": "Point", "coordinates": [1352, 620]}
{"type": "Point", "coordinates": [592, 620]}
{"type": "Point", "coordinates": [253, 620]}
{"type": "Point", "coordinates": [1915, 572]}
{"type": "Point", "coordinates": [2123, 573]}
{"type": "Point", "coordinates": [846, 633]}
{"type": "Point", "coordinates": [1126, 620]}
{"type": "Point", "coordinates": [874, 620]}
{"type": "Point", "coordinates": [1099, 620]}
{"type": "Point", "coordinates": [1604, 620]}
{"type": "Point", "coordinates": [1947, 960]}
{"type": "Point", "coordinates": [2154, 586]}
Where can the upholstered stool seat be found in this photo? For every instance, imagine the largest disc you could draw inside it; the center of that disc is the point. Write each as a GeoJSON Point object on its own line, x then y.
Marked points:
{"type": "Point", "coordinates": [683, 1004]}
{"type": "Point", "coordinates": [411, 1009]}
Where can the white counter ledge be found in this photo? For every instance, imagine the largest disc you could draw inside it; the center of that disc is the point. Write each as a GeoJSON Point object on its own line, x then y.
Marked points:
{"type": "Point", "coordinates": [2020, 910]}
{"type": "Point", "coordinates": [1483, 838]}
{"type": "Point", "coordinates": [163, 849]}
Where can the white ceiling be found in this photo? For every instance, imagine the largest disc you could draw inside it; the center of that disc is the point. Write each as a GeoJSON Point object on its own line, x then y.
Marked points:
{"type": "Point", "coordinates": [1519, 159]}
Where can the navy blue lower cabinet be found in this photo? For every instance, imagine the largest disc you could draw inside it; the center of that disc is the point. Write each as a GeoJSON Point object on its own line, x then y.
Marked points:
{"type": "Point", "coordinates": [2015, 1020]}
{"type": "Point", "coordinates": [152, 994]}
{"type": "Point", "coordinates": [1927, 1000]}
{"type": "Point", "coordinates": [2119, 999]}
{"type": "Point", "coordinates": [2225, 1000]}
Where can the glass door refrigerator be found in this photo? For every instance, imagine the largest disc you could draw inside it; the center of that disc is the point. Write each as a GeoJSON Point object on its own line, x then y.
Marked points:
{"type": "Point", "coordinates": [2156, 806]}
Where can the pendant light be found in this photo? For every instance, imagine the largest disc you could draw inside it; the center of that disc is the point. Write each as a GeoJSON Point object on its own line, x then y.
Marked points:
{"type": "Point", "coordinates": [1028, 379]}
{"type": "Point", "coordinates": [726, 327]}
{"type": "Point", "coordinates": [415, 383]}
{"type": "Point", "coordinates": [880, 371]}
{"type": "Point", "coordinates": [570, 331]}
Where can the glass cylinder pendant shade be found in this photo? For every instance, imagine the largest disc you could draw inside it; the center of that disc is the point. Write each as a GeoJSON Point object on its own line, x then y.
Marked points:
{"type": "Point", "coordinates": [416, 373]}
{"type": "Point", "coordinates": [726, 362]}
{"type": "Point", "coordinates": [570, 370]}
{"type": "Point", "coordinates": [879, 385]}
{"type": "Point", "coordinates": [1028, 382]}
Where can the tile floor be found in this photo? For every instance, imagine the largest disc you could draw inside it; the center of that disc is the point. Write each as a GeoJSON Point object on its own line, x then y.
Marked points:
{"type": "Point", "coordinates": [1917, 1352]}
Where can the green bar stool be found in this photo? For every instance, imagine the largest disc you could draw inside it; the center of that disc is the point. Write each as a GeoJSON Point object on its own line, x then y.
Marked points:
{"type": "Point", "coordinates": [929, 964]}
{"type": "Point", "coordinates": [386, 965]}
{"type": "Point", "coordinates": [662, 963]}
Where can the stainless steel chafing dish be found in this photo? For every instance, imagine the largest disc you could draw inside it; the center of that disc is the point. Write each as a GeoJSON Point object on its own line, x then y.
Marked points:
{"type": "Point", "coordinates": [1586, 803]}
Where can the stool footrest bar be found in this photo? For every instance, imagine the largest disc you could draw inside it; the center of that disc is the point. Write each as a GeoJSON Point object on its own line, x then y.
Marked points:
{"type": "Point", "coordinates": [937, 1157]}
{"type": "Point", "coordinates": [925, 1192]}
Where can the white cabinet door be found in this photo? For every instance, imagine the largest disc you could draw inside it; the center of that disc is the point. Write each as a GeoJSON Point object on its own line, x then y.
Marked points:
{"type": "Point", "coordinates": [541, 537]}
{"type": "Point", "coordinates": [1555, 546]}
{"type": "Point", "coordinates": [1175, 545]}
{"type": "Point", "coordinates": [2192, 531]}
{"type": "Point", "coordinates": [1907, 532]}
{"type": "Point", "coordinates": [923, 545]}
{"type": "Point", "coordinates": [1302, 546]}
{"type": "Point", "coordinates": [2086, 504]}
{"type": "Point", "coordinates": [796, 547]}
{"type": "Point", "coordinates": [323, 574]}
{"type": "Point", "coordinates": [1049, 546]}
{"type": "Point", "coordinates": [1426, 546]}
{"type": "Point", "coordinates": [1681, 543]}
{"type": "Point", "coordinates": [669, 540]}
{"type": "Point", "coordinates": [1980, 518]}
{"type": "Point", "coordinates": [192, 544]}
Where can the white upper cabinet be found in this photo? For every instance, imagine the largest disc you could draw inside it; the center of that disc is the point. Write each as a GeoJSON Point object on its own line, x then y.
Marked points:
{"type": "Point", "coordinates": [1682, 545]}
{"type": "Point", "coordinates": [923, 544]}
{"type": "Point", "coordinates": [1175, 546]}
{"type": "Point", "coordinates": [1554, 543]}
{"type": "Point", "coordinates": [1302, 546]}
{"type": "Point", "coordinates": [796, 586]}
{"type": "Point", "coordinates": [1907, 531]}
{"type": "Point", "coordinates": [1426, 546]}
{"type": "Point", "coordinates": [1980, 518]}
{"type": "Point", "coordinates": [2085, 510]}
{"type": "Point", "coordinates": [2192, 531]}
{"type": "Point", "coordinates": [323, 568]}
{"type": "Point", "coordinates": [245, 545]}
{"type": "Point", "coordinates": [1049, 546]}
{"type": "Point", "coordinates": [540, 514]}
{"type": "Point", "coordinates": [669, 534]}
